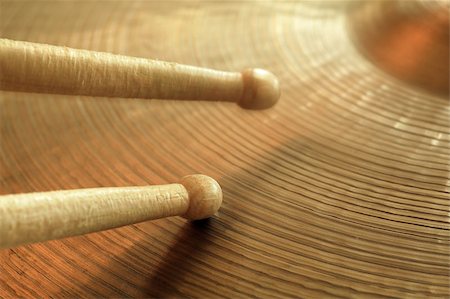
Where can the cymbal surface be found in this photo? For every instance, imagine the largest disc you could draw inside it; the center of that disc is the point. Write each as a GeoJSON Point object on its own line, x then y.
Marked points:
{"type": "Point", "coordinates": [341, 189]}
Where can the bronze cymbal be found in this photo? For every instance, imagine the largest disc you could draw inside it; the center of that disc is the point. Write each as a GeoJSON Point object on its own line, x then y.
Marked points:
{"type": "Point", "coordinates": [340, 190]}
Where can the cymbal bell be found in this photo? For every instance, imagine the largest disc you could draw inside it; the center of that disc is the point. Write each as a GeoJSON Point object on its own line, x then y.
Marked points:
{"type": "Point", "coordinates": [407, 39]}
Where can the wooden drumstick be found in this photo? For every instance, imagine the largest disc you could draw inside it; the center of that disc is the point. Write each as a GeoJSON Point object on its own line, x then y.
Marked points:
{"type": "Point", "coordinates": [26, 66]}
{"type": "Point", "coordinates": [34, 217]}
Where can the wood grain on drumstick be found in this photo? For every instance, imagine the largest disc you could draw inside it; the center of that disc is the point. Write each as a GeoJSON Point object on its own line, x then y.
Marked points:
{"type": "Point", "coordinates": [34, 217]}
{"type": "Point", "coordinates": [34, 67]}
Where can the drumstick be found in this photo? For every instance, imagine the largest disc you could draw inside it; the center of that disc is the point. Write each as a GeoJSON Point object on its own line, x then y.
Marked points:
{"type": "Point", "coordinates": [33, 67]}
{"type": "Point", "coordinates": [34, 217]}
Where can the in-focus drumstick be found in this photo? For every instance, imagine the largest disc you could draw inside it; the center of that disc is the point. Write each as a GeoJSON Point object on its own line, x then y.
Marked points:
{"type": "Point", "coordinates": [34, 67]}
{"type": "Point", "coordinates": [34, 217]}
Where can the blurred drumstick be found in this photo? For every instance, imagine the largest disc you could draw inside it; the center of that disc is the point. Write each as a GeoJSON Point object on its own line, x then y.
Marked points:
{"type": "Point", "coordinates": [34, 217]}
{"type": "Point", "coordinates": [33, 67]}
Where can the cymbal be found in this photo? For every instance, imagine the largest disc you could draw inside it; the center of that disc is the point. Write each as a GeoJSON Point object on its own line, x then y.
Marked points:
{"type": "Point", "coordinates": [341, 189]}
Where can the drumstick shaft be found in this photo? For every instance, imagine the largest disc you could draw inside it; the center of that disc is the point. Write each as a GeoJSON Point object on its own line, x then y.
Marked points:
{"type": "Point", "coordinates": [34, 217]}
{"type": "Point", "coordinates": [33, 67]}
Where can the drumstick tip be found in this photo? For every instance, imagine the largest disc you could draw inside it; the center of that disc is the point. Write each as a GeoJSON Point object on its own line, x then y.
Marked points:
{"type": "Point", "coordinates": [205, 196]}
{"type": "Point", "coordinates": [261, 89]}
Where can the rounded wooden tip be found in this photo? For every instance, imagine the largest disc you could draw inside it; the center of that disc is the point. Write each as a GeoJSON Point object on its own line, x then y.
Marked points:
{"type": "Point", "coordinates": [205, 196]}
{"type": "Point", "coordinates": [261, 89]}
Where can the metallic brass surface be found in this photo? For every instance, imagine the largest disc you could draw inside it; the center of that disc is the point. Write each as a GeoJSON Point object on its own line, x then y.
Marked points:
{"type": "Point", "coordinates": [340, 190]}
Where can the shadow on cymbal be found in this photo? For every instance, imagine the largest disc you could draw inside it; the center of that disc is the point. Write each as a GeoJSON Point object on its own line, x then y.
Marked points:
{"type": "Point", "coordinates": [179, 260]}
